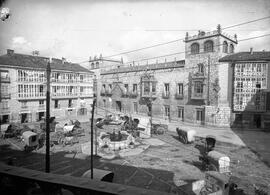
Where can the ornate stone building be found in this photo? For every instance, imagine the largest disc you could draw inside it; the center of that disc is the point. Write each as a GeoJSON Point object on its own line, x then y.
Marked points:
{"type": "Point", "coordinates": [23, 88]}
{"type": "Point", "coordinates": [195, 90]}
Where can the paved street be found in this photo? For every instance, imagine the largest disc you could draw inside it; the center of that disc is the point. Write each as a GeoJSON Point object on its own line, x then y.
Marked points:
{"type": "Point", "coordinates": [160, 167]}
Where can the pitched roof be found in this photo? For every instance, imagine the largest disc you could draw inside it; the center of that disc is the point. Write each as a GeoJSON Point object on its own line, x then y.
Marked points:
{"type": "Point", "coordinates": [247, 56]}
{"type": "Point", "coordinates": [38, 62]}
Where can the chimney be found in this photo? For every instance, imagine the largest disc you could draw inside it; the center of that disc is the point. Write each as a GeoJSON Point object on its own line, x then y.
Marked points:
{"type": "Point", "coordinates": [251, 50]}
{"type": "Point", "coordinates": [35, 53]}
{"type": "Point", "coordinates": [10, 52]}
{"type": "Point", "coordinates": [64, 60]}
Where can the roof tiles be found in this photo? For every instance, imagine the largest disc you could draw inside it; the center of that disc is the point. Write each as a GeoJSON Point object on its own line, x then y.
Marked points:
{"type": "Point", "coordinates": [38, 62]}
{"type": "Point", "coordinates": [247, 56]}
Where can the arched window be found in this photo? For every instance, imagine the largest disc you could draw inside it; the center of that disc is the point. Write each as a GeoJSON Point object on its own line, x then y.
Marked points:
{"type": "Point", "coordinates": [208, 46]}
{"type": "Point", "coordinates": [195, 48]}
{"type": "Point", "coordinates": [97, 64]}
{"type": "Point", "coordinates": [92, 65]}
{"type": "Point", "coordinates": [231, 48]}
{"type": "Point", "coordinates": [225, 47]}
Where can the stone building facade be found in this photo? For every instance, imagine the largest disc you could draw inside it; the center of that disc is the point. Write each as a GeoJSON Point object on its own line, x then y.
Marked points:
{"type": "Point", "coordinates": [195, 90]}
{"type": "Point", "coordinates": [23, 88]}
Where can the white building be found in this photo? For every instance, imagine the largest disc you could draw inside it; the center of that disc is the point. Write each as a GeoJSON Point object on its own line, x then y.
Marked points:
{"type": "Point", "coordinates": [23, 88]}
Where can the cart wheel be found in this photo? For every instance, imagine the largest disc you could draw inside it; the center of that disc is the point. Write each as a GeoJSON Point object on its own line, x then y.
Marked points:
{"type": "Point", "coordinates": [160, 130]}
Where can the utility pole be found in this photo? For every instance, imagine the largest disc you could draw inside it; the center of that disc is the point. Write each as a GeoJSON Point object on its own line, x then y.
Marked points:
{"type": "Point", "coordinates": [208, 82]}
{"type": "Point", "coordinates": [0, 98]}
{"type": "Point", "coordinates": [48, 117]}
{"type": "Point", "coordinates": [92, 136]}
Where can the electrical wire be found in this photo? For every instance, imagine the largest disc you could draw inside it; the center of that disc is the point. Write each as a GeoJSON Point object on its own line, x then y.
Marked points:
{"type": "Point", "coordinates": [173, 41]}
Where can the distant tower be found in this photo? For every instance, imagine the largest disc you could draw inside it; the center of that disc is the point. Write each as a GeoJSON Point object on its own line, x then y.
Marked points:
{"type": "Point", "coordinates": [202, 54]}
{"type": "Point", "coordinates": [215, 44]}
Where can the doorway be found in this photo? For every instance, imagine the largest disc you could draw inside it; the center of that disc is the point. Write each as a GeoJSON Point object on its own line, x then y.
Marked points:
{"type": "Point", "coordinates": [118, 106]}
{"type": "Point", "coordinates": [41, 115]}
{"type": "Point", "coordinates": [5, 119]}
{"type": "Point", "coordinates": [257, 120]}
{"type": "Point", "coordinates": [24, 118]}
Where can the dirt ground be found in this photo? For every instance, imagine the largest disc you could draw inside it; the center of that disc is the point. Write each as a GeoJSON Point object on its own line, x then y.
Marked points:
{"type": "Point", "coordinates": [168, 166]}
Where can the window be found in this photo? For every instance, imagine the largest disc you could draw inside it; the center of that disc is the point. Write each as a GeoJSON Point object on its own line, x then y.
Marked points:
{"type": "Point", "coordinates": [231, 48]}
{"type": "Point", "coordinates": [167, 111]}
{"type": "Point", "coordinates": [103, 87]}
{"type": "Point", "coordinates": [56, 104]}
{"type": "Point", "coordinates": [97, 64]}
{"type": "Point", "coordinates": [41, 88]}
{"type": "Point", "coordinates": [208, 46]}
{"type": "Point", "coordinates": [41, 102]}
{"type": "Point", "coordinates": [4, 89]}
{"type": "Point", "coordinates": [180, 89]}
{"type": "Point", "coordinates": [110, 87]}
{"type": "Point", "coordinates": [134, 88]}
{"type": "Point", "coordinates": [153, 87]}
{"type": "Point", "coordinates": [135, 107]}
{"type": "Point", "coordinates": [4, 119]}
{"type": "Point", "coordinates": [4, 104]}
{"type": "Point", "coordinates": [104, 103]}
{"type": "Point", "coordinates": [200, 68]}
{"type": "Point", "coordinates": [81, 78]}
{"type": "Point", "coordinates": [198, 88]}
{"type": "Point", "coordinates": [167, 89]}
{"type": "Point", "coordinates": [4, 75]}
{"type": "Point", "coordinates": [195, 48]}
{"type": "Point", "coordinates": [126, 88]}
{"type": "Point", "coordinates": [70, 103]}
{"type": "Point", "coordinates": [24, 104]}
{"type": "Point", "coordinates": [146, 89]}
{"type": "Point", "coordinates": [180, 112]}
{"type": "Point", "coordinates": [199, 115]}
{"type": "Point", "coordinates": [225, 47]}
{"type": "Point", "coordinates": [92, 65]}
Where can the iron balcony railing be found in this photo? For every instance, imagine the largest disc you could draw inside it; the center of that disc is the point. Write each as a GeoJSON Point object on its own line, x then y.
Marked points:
{"type": "Point", "coordinates": [179, 96]}
{"type": "Point", "coordinates": [166, 95]}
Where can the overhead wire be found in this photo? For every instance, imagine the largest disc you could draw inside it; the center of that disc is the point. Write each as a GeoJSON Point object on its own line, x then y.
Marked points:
{"type": "Point", "coordinates": [176, 40]}
{"type": "Point", "coordinates": [148, 67]}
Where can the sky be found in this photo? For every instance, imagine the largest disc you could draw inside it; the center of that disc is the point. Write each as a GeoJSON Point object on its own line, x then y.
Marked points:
{"type": "Point", "coordinates": [79, 29]}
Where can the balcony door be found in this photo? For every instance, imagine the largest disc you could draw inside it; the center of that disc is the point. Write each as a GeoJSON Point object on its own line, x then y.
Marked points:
{"type": "Point", "coordinates": [118, 106]}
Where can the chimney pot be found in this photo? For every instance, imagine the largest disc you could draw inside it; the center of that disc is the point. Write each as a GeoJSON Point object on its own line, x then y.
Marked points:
{"type": "Point", "coordinates": [10, 52]}
{"type": "Point", "coordinates": [251, 50]}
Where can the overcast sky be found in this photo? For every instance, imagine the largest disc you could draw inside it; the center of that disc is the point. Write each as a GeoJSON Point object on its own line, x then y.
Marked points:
{"type": "Point", "coordinates": [82, 28]}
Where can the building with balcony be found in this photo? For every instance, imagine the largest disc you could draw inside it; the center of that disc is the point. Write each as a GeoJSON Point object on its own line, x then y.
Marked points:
{"type": "Point", "coordinates": [189, 90]}
{"type": "Point", "coordinates": [205, 88]}
{"type": "Point", "coordinates": [23, 88]}
{"type": "Point", "coordinates": [249, 88]}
